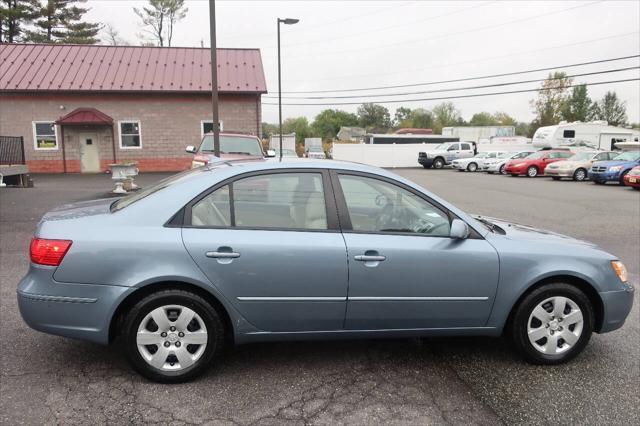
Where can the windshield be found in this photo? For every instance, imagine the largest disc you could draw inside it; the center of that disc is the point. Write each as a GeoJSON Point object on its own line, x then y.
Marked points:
{"type": "Point", "coordinates": [442, 147]}
{"type": "Point", "coordinates": [315, 149]}
{"type": "Point", "coordinates": [164, 183]}
{"type": "Point", "coordinates": [233, 145]}
{"type": "Point", "coordinates": [581, 156]}
{"type": "Point", "coordinates": [535, 156]}
{"type": "Point", "coordinates": [628, 156]}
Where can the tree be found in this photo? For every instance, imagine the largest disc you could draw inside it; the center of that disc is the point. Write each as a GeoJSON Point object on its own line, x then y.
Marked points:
{"type": "Point", "coordinates": [420, 119]}
{"type": "Point", "coordinates": [610, 109]}
{"type": "Point", "coordinates": [327, 124]}
{"type": "Point", "coordinates": [504, 119]}
{"type": "Point", "coordinates": [112, 36]}
{"type": "Point", "coordinates": [578, 106]}
{"type": "Point", "coordinates": [552, 99]}
{"type": "Point", "coordinates": [14, 15]}
{"type": "Point", "coordinates": [60, 21]}
{"type": "Point", "coordinates": [299, 125]}
{"type": "Point", "coordinates": [161, 16]}
{"type": "Point", "coordinates": [402, 114]}
{"type": "Point", "coordinates": [482, 119]}
{"type": "Point", "coordinates": [374, 116]}
{"type": "Point", "coordinates": [269, 129]}
{"type": "Point", "coordinates": [445, 114]}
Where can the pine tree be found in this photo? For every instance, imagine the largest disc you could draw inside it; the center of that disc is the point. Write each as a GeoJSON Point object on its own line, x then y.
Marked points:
{"type": "Point", "coordinates": [60, 21]}
{"type": "Point", "coordinates": [14, 15]}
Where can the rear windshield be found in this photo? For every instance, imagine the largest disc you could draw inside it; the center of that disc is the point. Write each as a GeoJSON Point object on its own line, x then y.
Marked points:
{"type": "Point", "coordinates": [233, 145]}
{"type": "Point", "coordinates": [142, 193]}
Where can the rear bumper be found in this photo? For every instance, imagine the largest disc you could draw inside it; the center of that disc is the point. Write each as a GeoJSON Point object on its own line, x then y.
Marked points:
{"type": "Point", "coordinates": [80, 311]}
{"type": "Point", "coordinates": [617, 305]}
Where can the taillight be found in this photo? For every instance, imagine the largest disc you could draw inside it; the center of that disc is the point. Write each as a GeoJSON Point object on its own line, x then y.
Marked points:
{"type": "Point", "coordinates": [48, 252]}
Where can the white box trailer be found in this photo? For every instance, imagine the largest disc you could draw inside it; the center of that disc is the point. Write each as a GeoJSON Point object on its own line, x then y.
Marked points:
{"type": "Point", "coordinates": [288, 141]}
{"type": "Point", "coordinates": [476, 133]}
{"type": "Point", "coordinates": [594, 134]}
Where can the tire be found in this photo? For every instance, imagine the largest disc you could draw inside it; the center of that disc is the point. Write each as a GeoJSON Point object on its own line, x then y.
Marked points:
{"type": "Point", "coordinates": [502, 172]}
{"type": "Point", "coordinates": [532, 172]}
{"type": "Point", "coordinates": [579, 175]}
{"type": "Point", "coordinates": [551, 348]}
{"type": "Point", "coordinates": [555, 178]}
{"type": "Point", "coordinates": [472, 167]}
{"type": "Point", "coordinates": [621, 181]}
{"type": "Point", "coordinates": [172, 303]}
{"type": "Point", "coordinates": [438, 163]}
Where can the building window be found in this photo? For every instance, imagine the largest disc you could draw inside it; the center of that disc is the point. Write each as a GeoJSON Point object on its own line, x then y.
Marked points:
{"type": "Point", "coordinates": [569, 134]}
{"type": "Point", "coordinates": [130, 137]}
{"type": "Point", "coordinates": [45, 135]}
{"type": "Point", "coordinates": [206, 126]}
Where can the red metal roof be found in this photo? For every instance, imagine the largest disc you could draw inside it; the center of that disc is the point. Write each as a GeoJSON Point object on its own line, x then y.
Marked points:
{"type": "Point", "coordinates": [95, 68]}
{"type": "Point", "coordinates": [85, 116]}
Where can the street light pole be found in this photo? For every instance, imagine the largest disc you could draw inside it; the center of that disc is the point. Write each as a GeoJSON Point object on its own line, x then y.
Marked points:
{"type": "Point", "coordinates": [214, 77]}
{"type": "Point", "coordinates": [287, 21]}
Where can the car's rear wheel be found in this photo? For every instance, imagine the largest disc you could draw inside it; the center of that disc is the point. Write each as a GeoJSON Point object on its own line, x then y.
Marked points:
{"type": "Point", "coordinates": [172, 336]}
{"type": "Point", "coordinates": [438, 163]}
{"type": "Point", "coordinates": [502, 171]}
{"type": "Point", "coordinates": [472, 167]}
{"type": "Point", "coordinates": [532, 171]}
{"type": "Point", "coordinates": [552, 324]}
{"type": "Point", "coordinates": [580, 175]}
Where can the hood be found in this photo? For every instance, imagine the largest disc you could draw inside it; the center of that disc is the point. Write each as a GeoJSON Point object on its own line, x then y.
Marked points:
{"type": "Point", "coordinates": [516, 231]}
{"type": "Point", "coordinates": [612, 163]}
{"type": "Point", "coordinates": [79, 209]}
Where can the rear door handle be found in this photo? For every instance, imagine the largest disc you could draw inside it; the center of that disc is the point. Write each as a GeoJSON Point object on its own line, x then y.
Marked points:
{"type": "Point", "coordinates": [369, 258]}
{"type": "Point", "coordinates": [222, 254]}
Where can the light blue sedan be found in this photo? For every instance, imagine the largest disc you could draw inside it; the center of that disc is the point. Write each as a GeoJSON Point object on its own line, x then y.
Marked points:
{"type": "Point", "coordinates": [263, 251]}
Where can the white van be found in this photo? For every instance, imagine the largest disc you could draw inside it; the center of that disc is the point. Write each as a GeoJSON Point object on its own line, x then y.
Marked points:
{"type": "Point", "coordinates": [591, 135]}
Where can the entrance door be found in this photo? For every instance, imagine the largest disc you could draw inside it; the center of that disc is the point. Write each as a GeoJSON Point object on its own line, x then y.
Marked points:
{"type": "Point", "coordinates": [89, 157]}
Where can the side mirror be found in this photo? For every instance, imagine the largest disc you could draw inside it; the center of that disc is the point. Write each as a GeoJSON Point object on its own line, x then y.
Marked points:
{"type": "Point", "coordinates": [270, 153]}
{"type": "Point", "coordinates": [191, 149]}
{"type": "Point", "coordinates": [459, 230]}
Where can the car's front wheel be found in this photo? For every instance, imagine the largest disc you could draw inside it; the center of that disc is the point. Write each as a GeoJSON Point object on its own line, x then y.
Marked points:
{"type": "Point", "coordinates": [532, 171]}
{"type": "Point", "coordinates": [580, 175]}
{"type": "Point", "coordinates": [172, 336]}
{"type": "Point", "coordinates": [552, 324]}
{"type": "Point", "coordinates": [438, 163]}
{"type": "Point", "coordinates": [472, 167]}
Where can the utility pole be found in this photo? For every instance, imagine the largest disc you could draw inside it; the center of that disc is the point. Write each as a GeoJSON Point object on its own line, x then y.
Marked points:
{"type": "Point", "coordinates": [287, 21]}
{"type": "Point", "coordinates": [214, 78]}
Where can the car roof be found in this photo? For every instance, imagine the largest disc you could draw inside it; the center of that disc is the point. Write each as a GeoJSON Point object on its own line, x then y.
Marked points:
{"type": "Point", "coordinates": [244, 166]}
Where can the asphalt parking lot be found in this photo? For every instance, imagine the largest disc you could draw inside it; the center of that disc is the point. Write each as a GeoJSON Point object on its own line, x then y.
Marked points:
{"type": "Point", "coordinates": [50, 380]}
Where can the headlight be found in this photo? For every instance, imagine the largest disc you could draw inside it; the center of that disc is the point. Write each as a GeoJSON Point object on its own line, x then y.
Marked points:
{"type": "Point", "coordinates": [621, 270]}
{"type": "Point", "coordinates": [615, 168]}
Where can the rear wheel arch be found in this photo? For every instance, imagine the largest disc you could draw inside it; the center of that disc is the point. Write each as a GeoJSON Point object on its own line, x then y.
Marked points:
{"type": "Point", "coordinates": [581, 284]}
{"type": "Point", "coordinates": [125, 305]}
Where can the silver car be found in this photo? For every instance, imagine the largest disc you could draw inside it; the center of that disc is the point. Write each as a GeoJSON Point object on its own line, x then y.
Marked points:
{"type": "Point", "coordinates": [497, 164]}
{"type": "Point", "coordinates": [249, 251]}
{"type": "Point", "coordinates": [476, 162]}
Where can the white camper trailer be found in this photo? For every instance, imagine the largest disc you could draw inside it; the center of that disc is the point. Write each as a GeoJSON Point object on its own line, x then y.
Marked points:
{"type": "Point", "coordinates": [288, 141]}
{"type": "Point", "coordinates": [594, 134]}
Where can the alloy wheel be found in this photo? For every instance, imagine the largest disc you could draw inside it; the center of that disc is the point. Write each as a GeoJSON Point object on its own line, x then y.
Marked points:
{"type": "Point", "coordinates": [580, 175]}
{"type": "Point", "coordinates": [171, 337]}
{"type": "Point", "coordinates": [532, 172]}
{"type": "Point", "coordinates": [472, 167]}
{"type": "Point", "coordinates": [555, 325]}
{"type": "Point", "coordinates": [502, 170]}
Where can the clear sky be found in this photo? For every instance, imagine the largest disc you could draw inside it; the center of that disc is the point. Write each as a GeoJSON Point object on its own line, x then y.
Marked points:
{"type": "Point", "coordinates": [362, 44]}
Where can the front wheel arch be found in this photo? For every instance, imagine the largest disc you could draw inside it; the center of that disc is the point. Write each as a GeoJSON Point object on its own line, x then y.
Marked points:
{"type": "Point", "coordinates": [584, 286]}
{"type": "Point", "coordinates": [120, 313]}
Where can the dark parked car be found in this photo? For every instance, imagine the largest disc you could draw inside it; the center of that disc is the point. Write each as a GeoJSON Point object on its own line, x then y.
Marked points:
{"type": "Point", "coordinates": [302, 249]}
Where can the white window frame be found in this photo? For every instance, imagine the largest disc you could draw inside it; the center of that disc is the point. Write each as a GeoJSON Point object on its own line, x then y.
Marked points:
{"type": "Point", "coordinates": [220, 123]}
{"type": "Point", "coordinates": [120, 133]}
{"type": "Point", "coordinates": [35, 136]}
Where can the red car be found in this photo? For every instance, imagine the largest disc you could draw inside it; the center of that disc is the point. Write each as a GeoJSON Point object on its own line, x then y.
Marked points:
{"type": "Point", "coordinates": [632, 178]}
{"type": "Point", "coordinates": [534, 164]}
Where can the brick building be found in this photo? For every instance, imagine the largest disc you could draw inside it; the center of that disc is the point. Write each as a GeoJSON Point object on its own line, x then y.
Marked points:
{"type": "Point", "coordinates": [81, 108]}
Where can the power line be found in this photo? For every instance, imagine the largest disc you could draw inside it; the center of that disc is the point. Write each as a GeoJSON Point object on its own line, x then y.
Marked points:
{"type": "Point", "coordinates": [457, 80]}
{"type": "Point", "coordinates": [437, 37]}
{"type": "Point", "coordinates": [470, 61]}
{"type": "Point", "coordinates": [485, 86]}
{"type": "Point", "coordinates": [457, 96]}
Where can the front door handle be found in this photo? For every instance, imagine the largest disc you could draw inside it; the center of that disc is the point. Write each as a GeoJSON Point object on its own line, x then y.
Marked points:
{"type": "Point", "coordinates": [222, 254]}
{"type": "Point", "coordinates": [369, 258]}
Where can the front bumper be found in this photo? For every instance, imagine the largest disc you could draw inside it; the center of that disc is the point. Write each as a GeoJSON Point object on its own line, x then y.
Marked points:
{"type": "Point", "coordinates": [617, 305]}
{"type": "Point", "coordinates": [559, 172]}
{"type": "Point", "coordinates": [511, 170]}
{"type": "Point", "coordinates": [632, 181]}
{"type": "Point", "coordinates": [425, 161]}
{"type": "Point", "coordinates": [604, 176]}
{"type": "Point", "coordinates": [80, 311]}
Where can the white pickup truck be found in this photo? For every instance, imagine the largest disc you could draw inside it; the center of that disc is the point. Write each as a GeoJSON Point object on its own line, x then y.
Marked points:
{"type": "Point", "coordinates": [445, 153]}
